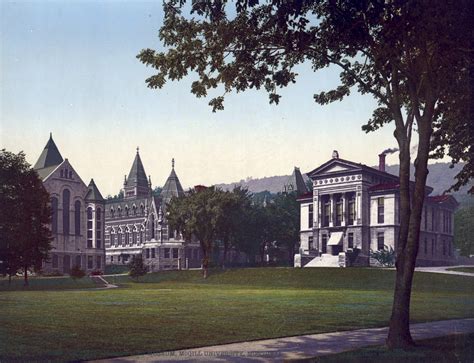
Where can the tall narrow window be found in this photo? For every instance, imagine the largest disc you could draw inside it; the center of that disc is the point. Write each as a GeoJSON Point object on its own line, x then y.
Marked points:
{"type": "Point", "coordinates": [98, 227]}
{"type": "Point", "coordinates": [310, 243]}
{"type": "Point", "coordinates": [444, 247]}
{"type": "Point", "coordinates": [66, 200]}
{"type": "Point", "coordinates": [119, 238]}
{"type": "Point", "coordinates": [433, 246]}
{"type": "Point", "coordinates": [380, 241]}
{"type": "Point", "coordinates": [77, 218]}
{"type": "Point", "coordinates": [327, 211]}
{"type": "Point", "coordinates": [351, 206]}
{"type": "Point", "coordinates": [127, 236]}
{"type": "Point", "coordinates": [89, 227]}
{"type": "Point", "coordinates": [54, 215]}
{"type": "Point", "coordinates": [112, 239]}
{"type": "Point", "coordinates": [380, 210]}
{"type": "Point", "coordinates": [310, 216]}
{"type": "Point", "coordinates": [338, 211]}
{"type": "Point", "coordinates": [426, 246]}
{"type": "Point", "coordinates": [152, 226]}
{"type": "Point", "coordinates": [350, 240]}
{"type": "Point", "coordinates": [78, 261]}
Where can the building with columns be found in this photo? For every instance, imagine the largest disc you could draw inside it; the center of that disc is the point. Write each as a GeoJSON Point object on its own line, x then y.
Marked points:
{"type": "Point", "coordinates": [136, 224]}
{"type": "Point", "coordinates": [77, 221]}
{"type": "Point", "coordinates": [353, 209]}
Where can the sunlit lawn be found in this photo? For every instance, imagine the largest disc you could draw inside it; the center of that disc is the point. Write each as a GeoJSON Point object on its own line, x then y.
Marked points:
{"type": "Point", "coordinates": [173, 310]}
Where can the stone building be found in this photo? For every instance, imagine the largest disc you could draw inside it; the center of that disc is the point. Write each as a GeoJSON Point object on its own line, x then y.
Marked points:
{"type": "Point", "coordinates": [77, 222]}
{"type": "Point", "coordinates": [136, 225]}
{"type": "Point", "coordinates": [353, 209]}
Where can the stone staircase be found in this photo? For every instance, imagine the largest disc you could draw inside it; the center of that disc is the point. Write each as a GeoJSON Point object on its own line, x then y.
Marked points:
{"type": "Point", "coordinates": [325, 260]}
{"type": "Point", "coordinates": [101, 282]}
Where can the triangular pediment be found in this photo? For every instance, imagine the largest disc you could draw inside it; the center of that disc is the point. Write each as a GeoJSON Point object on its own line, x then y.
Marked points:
{"type": "Point", "coordinates": [335, 166]}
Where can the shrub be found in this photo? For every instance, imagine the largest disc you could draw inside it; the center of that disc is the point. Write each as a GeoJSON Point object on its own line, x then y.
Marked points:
{"type": "Point", "coordinates": [137, 267]}
{"type": "Point", "coordinates": [77, 272]}
{"type": "Point", "coordinates": [385, 257]}
{"type": "Point", "coordinates": [96, 272]}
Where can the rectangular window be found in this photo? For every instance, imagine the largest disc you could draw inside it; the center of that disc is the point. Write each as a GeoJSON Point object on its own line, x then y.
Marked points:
{"type": "Point", "coordinates": [55, 261]}
{"type": "Point", "coordinates": [310, 216]}
{"type": "Point", "coordinates": [98, 234]}
{"type": "Point", "coordinates": [310, 243]}
{"type": "Point", "coordinates": [339, 212]}
{"type": "Point", "coordinates": [327, 213]}
{"type": "Point", "coordinates": [89, 224]}
{"type": "Point", "coordinates": [167, 252]}
{"type": "Point", "coordinates": [112, 239]}
{"type": "Point", "coordinates": [111, 258]}
{"type": "Point", "coordinates": [175, 253]}
{"type": "Point", "coordinates": [99, 262]}
{"type": "Point", "coordinates": [153, 253]}
{"type": "Point", "coordinates": [350, 240]}
{"type": "Point", "coordinates": [324, 243]}
{"type": "Point", "coordinates": [351, 206]}
{"type": "Point", "coordinates": [89, 243]}
{"type": "Point", "coordinates": [147, 253]}
{"type": "Point", "coordinates": [380, 210]}
{"type": "Point", "coordinates": [444, 247]}
{"type": "Point", "coordinates": [171, 233]}
{"type": "Point", "coordinates": [90, 262]}
{"type": "Point", "coordinates": [426, 246]}
{"type": "Point", "coordinates": [433, 246]}
{"type": "Point", "coordinates": [89, 234]}
{"type": "Point", "coordinates": [433, 220]}
{"type": "Point", "coordinates": [380, 240]}
{"type": "Point", "coordinates": [98, 244]}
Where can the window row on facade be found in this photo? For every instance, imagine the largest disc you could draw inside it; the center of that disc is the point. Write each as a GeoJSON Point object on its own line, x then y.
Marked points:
{"type": "Point", "coordinates": [85, 262]}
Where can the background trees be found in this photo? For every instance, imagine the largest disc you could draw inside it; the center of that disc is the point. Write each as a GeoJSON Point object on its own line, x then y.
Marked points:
{"type": "Point", "coordinates": [24, 216]}
{"type": "Point", "coordinates": [413, 57]}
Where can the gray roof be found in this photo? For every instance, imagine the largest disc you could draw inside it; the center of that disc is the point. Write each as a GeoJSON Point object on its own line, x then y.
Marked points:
{"type": "Point", "coordinates": [93, 193]}
{"type": "Point", "coordinates": [137, 176]}
{"type": "Point", "coordinates": [295, 183]}
{"type": "Point", "coordinates": [172, 187]}
{"type": "Point", "coordinates": [50, 157]}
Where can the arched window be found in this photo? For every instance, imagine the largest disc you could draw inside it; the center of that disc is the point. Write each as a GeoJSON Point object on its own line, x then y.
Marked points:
{"type": "Point", "coordinates": [66, 200]}
{"type": "Point", "coordinates": [126, 210]}
{"type": "Point", "coordinates": [98, 228]}
{"type": "Point", "coordinates": [89, 227]}
{"type": "Point", "coordinates": [54, 215]}
{"type": "Point", "coordinates": [112, 212]}
{"type": "Point", "coordinates": [126, 236]}
{"type": "Point", "coordinates": [119, 211]}
{"type": "Point", "coordinates": [134, 236]}
{"type": "Point", "coordinates": [134, 209]}
{"type": "Point", "coordinates": [142, 209]}
{"type": "Point", "coordinates": [77, 218]}
{"type": "Point", "coordinates": [152, 226]}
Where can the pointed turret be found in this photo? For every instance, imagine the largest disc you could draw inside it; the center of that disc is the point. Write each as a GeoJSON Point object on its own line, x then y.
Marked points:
{"type": "Point", "coordinates": [93, 193]}
{"type": "Point", "coordinates": [136, 185]}
{"type": "Point", "coordinates": [295, 183]}
{"type": "Point", "coordinates": [50, 155]}
{"type": "Point", "coordinates": [172, 187]}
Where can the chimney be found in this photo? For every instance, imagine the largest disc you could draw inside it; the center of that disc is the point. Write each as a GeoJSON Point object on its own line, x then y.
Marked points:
{"type": "Point", "coordinates": [382, 162]}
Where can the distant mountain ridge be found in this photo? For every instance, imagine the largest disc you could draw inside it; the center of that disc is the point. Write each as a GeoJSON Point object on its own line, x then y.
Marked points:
{"type": "Point", "coordinates": [440, 178]}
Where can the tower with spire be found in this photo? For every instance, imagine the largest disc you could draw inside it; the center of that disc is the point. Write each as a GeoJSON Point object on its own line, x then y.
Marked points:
{"type": "Point", "coordinates": [137, 184]}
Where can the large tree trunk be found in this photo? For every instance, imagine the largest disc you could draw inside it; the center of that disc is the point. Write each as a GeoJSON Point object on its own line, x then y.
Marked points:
{"type": "Point", "coordinates": [407, 250]}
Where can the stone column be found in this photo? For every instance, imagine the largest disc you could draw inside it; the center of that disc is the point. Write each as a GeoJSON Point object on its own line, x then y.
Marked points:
{"type": "Point", "coordinates": [358, 216]}
{"type": "Point", "coordinates": [316, 212]}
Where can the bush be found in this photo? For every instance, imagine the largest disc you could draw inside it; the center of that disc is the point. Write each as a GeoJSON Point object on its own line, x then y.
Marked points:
{"type": "Point", "coordinates": [116, 269]}
{"type": "Point", "coordinates": [77, 272]}
{"type": "Point", "coordinates": [137, 267]}
{"type": "Point", "coordinates": [385, 257]}
{"type": "Point", "coordinates": [96, 272]}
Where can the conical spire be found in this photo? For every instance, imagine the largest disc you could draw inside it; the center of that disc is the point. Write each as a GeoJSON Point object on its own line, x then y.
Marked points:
{"type": "Point", "coordinates": [93, 193]}
{"type": "Point", "coordinates": [172, 187]}
{"type": "Point", "coordinates": [295, 183]}
{"type": "Point", "coordinates": [50, 155]}
{"type": "Point", "coordinates": [137, 182]}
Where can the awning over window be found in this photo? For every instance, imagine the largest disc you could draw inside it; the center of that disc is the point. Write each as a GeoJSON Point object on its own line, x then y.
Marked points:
{"type": "Point", "coordinates": [335, 239]}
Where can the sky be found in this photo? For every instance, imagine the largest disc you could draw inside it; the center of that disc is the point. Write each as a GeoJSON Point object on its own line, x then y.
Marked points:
{"type": "Point", "coordinates": [70, 68]}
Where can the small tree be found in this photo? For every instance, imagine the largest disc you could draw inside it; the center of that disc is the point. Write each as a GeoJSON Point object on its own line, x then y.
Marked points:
{"type": "Point", "coordinates": [385, 257]}
{"type": "Point", "coordinates": [137, 267]}
{"type": "Point", "coordinates": [77, 272]}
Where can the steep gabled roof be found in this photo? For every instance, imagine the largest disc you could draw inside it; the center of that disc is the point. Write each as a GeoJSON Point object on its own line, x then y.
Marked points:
{"type": "Point", "coordinates": [93, 193]}
{"type": "Point", "coordinates": [295, 183]}
{"type": "Point", "coordinates": [137, 176]}
{"type": "Point", "coordinates": [49, 158]}
{"type": "Point", "coordinates": [172, 187]}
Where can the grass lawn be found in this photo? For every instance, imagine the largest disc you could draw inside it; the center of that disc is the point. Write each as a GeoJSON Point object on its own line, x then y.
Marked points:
{"type": "Point", "coordinates": [174, 310]}
{"type": "Point", "coordinates": [454, 348]}
{"type": "Point", "coordinates": [462, 269]}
